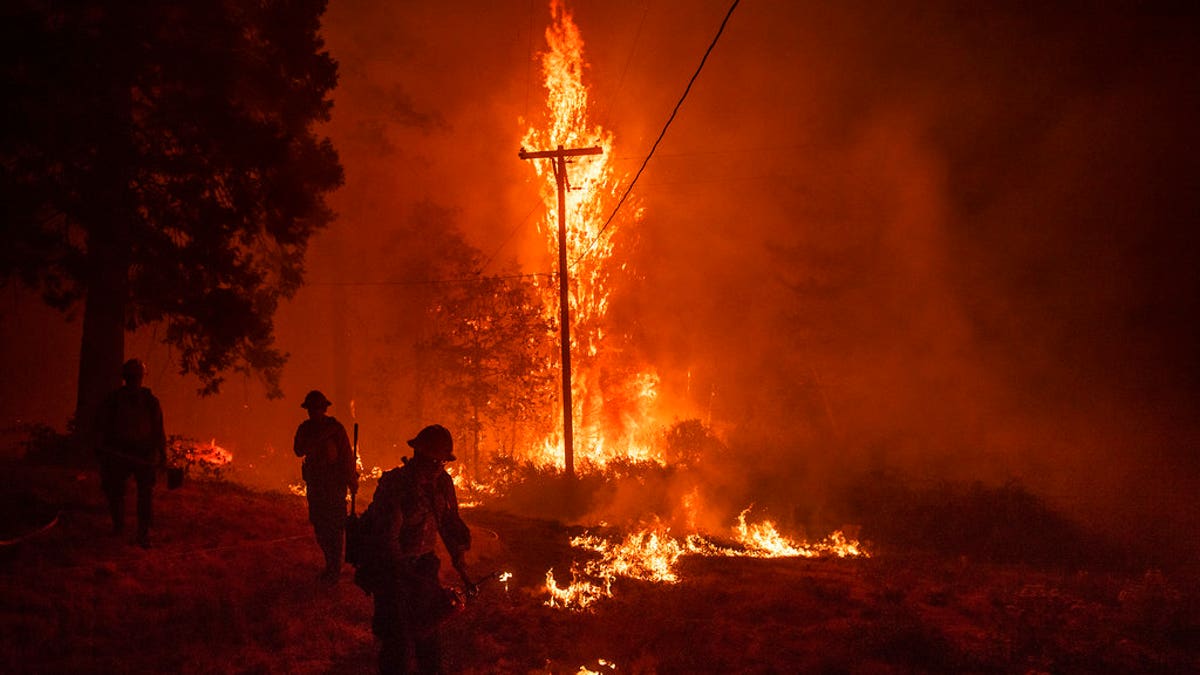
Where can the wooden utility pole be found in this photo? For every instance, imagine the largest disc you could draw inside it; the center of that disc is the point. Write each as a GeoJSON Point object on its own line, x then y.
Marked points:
{"type": "Point", "coordinates": [560, 156]}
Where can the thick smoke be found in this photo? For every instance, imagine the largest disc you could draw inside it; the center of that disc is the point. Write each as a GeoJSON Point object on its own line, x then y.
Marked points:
{"type": "Point", "coordinates": [953, 244]}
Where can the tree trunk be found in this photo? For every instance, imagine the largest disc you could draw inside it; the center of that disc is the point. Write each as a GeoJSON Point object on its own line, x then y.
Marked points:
{"type": "Point", "coordinates": [475, 442]}
{"type": "Point", "coordinates": [103, 344]}
{"type": "Point", "coordinates": [106, 216]}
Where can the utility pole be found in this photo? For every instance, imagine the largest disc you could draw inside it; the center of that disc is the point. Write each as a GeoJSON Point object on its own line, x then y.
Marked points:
{"type": "Point", "coordinates": [560, 156]}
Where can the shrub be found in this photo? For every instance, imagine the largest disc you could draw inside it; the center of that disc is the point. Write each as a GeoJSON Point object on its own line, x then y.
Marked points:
{"type": "Point", "coordinates": [1004, 523]}
{"type": "Point", "coordinates": [197, 459]}
{"type": "Point", "coordinates": [44, 445]}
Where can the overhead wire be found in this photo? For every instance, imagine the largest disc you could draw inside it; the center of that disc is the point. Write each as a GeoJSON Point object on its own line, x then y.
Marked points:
{"type": "Point", "coordinates": [628, 60]}
{"type": "Point", "coordinates": [529, 60]}
{"type": "Point", "coordinates": [429, 282]}
{"type": "Point", "coordinates": [628, 190]}
{"type": "Point", "coordinates": [661, 134]}
{"type": "Point", "coordinates": [508, 238]}
{"type": "Point", "coordinates": [637, 37]}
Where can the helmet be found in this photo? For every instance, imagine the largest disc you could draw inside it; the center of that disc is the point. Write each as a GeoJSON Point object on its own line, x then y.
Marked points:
{"type": "Point", "coordinates": [315, 399]}
{"type": "Point", "coordinates": [133, 371]}
{"type": "Point", "coordinates": [435, 442]}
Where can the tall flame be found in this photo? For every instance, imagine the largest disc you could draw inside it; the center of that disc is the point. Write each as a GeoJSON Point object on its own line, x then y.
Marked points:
{"type": "Point", "coordinates": [610, 415]}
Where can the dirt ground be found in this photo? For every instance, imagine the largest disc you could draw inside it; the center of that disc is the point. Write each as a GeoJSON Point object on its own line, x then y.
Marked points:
{"type": "Point", "coordinates": [230, 586]}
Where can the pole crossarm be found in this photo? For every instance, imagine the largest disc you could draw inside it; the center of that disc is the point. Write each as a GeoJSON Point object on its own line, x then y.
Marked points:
{"type": "Point", "coordinates": [560, 152]}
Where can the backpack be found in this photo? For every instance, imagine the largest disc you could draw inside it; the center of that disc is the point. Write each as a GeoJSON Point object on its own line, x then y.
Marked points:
{"type": "Point", "coordinates": [367, 545]}
{"type": "Point", "coordinates": [365, 535]}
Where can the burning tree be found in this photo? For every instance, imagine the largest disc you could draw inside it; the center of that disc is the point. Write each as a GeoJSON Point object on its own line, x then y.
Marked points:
{"type": "Point", "coordinates": [611, 393]}
{"type": "Point", "coordinates": [159, 165]}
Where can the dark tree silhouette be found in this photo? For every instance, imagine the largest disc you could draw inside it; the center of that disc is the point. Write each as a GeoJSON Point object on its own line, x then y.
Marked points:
{"type": "Point", "coordinates": [159, 164]}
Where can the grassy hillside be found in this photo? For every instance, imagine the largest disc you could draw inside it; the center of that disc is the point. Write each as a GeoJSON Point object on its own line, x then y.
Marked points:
{"type": "Point", "coordinates": [230, 586]}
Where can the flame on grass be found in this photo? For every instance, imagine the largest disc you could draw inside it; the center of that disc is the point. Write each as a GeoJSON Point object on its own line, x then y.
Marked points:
{"type": "Point", "coordinates": [652, 554]}
{"type": "Point", "coordinates": [764, 541]}
{"type": "Point", "coordinates": [470, 493]}
{"type": "Point", "coordinates": [649, 555]}
{"type": "Point", "coordinates": [612, 399]}
{"type": "Point", "coordinates": [199, 459]}
{"type": "Point", "coordinates": [205, 454]}
{"type": "Point", "coordinates": [579, 594]}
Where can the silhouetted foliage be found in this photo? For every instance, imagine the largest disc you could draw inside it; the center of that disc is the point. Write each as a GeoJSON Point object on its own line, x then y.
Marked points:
{"type": "Point", "coordinates": [159, 160]}
{"type": "Point", "coordinates": [44, 445]}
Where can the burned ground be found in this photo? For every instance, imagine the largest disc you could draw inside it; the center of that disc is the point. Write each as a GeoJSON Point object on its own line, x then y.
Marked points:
{"type": "Point", "coordinates": [230, 587]}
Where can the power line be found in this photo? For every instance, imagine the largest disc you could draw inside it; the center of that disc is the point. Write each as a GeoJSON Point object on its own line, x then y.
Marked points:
{"type": "Point", "coordinates": [429, 282]}
{"type": "Point", "coordinates": [746, 150]}
{"type": "Point", "coordinates": [661, 134]}
{"type": "Point", "coordinates": [508, 238]}
{"type": "Point", "coordinates": [477, 278]}
{"type": "Point", "coordinates": [628, 59]}
{"type": "Point", "coordinates": [529, 60]}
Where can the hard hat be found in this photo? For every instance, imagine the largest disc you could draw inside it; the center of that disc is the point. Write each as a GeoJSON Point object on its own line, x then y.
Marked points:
{"type": "Point", "coordinates": [315, 399]}
{"type": "Point", "coordinates": [434, 441]}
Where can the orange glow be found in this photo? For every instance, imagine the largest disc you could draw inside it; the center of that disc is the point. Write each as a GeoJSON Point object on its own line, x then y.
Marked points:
{"type": "Point", "coordinates": [762, 540]}
{"type": "Point", "coordinates": [649, 555]}
{"type": "Point", "coordinates": [208, 455]}
{"type": "Point", "coordinates": [612, 415]}
{"type": "Point", "coordinates": [579, 594]}
{"type": "Point", "coordinates": [652, 554]}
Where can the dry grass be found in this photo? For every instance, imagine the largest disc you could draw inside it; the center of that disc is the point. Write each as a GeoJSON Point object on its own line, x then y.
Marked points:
{"type": "Point", "coordinates": [230, 587]}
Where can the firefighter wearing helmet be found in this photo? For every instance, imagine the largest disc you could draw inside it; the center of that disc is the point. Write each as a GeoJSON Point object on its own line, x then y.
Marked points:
{"type": "Point", "coordinates": [414, 505]}
{"type": "Point", "coordinates": [329, 470]}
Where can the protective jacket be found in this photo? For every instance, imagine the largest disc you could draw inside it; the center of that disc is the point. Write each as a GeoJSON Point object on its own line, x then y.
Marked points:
{"type": "Point", "coordinates": [413, 505]}
{"type": "Point", "coordinates": [131, 427]}
{"type": "Point", "coordinates": [328, 457]}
